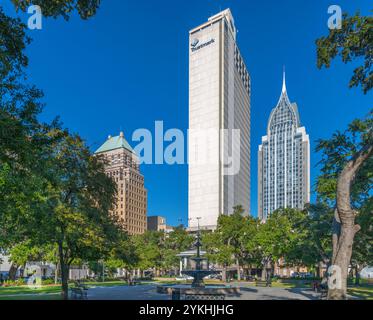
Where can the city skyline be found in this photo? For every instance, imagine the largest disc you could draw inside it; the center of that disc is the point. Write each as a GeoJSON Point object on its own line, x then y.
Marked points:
{"type": "Point", "coordinates": [162, 65]}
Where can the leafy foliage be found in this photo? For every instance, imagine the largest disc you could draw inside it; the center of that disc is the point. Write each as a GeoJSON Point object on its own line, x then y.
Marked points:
{"type": "Point", "coordinates": [353, 40]}
{"type": "Point", "coordinates": [64, 8]}
{"type": "Point", "coordinates": [337, 152]}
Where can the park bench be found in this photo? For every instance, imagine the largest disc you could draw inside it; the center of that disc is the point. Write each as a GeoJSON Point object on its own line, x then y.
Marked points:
{"type": "Point", "coordinates": [321, 288]}
{"type": "Point", "coordinates": [323, 293]}
{"type": "Point", "coordinates": [263, 283]}
{"type": "Point", "coordinates": [79, 290]}
{"type": "Point", "coordinates": [133, 282]}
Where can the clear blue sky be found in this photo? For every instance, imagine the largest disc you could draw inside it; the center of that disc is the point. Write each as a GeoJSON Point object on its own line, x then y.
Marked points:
{"type": "Point", "coordinates": [128, 66]}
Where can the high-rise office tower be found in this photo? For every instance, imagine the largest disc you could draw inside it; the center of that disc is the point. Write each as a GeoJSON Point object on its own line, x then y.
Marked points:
{"type": "Point", "coordinates": [283, 160]}
{"type": "Point", "coordinates": [123, 167]}
{"type": "Point", "coordinates": [219, 99]}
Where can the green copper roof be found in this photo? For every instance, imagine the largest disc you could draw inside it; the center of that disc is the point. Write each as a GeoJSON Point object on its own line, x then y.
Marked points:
{"type": "Point", "coordinates": [113, 143]}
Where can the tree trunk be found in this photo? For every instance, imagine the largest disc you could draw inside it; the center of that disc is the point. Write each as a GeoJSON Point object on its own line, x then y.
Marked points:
{"type": "Point", "coordinates": [342, 261]}
{"type": "Point", "coordinates": [56, 273]}
{"type": "Point", "coordinates": [22, 271]}
{"type": "Point", "coordinates": [318, 271]}
{"type": "Point", "coordinates": [64, 273]}
{"type": "Point", "coordinates": [269, 272]}
{"type": "Point", "coordinates": [344, 228]}
{"type": "Point", "coordinates": [357, 275]}
{"type": "Point", "coordinates": [248, 273]}
{"type": "Point", "coordinates": [264, 273]}
{"type": "Point", "coordinates": [224, 274]}
{"type": "Point", "coordinates": [238, 271]}
{"type": "Point", "coordinates": [13, 271]}
{"type": "Point", "coordinates": [65, 281]}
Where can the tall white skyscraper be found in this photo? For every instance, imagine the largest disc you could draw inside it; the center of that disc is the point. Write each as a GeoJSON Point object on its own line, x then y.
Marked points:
{"type": "Point", "coordinates": [283, 160]}
{"type": "Point", "coordinates": [219, 98]}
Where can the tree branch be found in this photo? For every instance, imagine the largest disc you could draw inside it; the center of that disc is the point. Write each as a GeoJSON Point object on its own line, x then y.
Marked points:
{"type": "Point", "coordinates": [345, 180]}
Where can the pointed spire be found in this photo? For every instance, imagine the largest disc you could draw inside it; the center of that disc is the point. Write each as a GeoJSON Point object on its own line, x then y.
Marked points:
{"type": "Point", "coordinates": [283, 81]}
{"type": "Point", "coordinates": [284, 94]}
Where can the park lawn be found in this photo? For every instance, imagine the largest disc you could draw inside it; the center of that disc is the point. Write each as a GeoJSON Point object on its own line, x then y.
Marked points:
{"type": "Point", "coordinates": [50, 296]}
{"type": "Point", "coordinates": [106, 283]}
{"type": "Point", "coordinates": [290, 284]}
{"type": "Point", "coordinates": [363, 292]}
{"type": "Point", "coordinates": [26, 290]}
{"type": "Point", "coordinates": [49, 292]}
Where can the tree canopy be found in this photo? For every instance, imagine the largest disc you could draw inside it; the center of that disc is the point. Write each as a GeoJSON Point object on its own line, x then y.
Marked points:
{"type": "Point", "coordinates": [353, 41]}
{"type": "Point", "coordinates": [64, 8]}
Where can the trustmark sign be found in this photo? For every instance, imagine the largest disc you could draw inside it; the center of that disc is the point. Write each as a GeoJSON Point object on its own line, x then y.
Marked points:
{"type": "Point", "coordinates": [196, 45]}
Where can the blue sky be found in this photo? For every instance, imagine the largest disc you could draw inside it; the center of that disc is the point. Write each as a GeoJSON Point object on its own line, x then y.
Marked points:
{"type": "Point", "coordinates": [128, 67]}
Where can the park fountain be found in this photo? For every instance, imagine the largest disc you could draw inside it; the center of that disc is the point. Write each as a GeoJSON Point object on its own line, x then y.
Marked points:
{"type": "Point", "coordinates": [198, 290]}
{"type": "Point", "coordinates": [198, 273]}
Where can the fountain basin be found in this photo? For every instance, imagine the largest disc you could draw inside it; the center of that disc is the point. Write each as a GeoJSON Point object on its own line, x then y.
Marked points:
{"type": "Point", "coordinates": [186, 292]}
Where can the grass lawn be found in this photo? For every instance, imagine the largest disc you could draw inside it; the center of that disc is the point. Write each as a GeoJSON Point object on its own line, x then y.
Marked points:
{"type": "Point", "coordinates": [53, 296]}
{"type": "Point", "coordinates": [290, 284]}
{"type": "Point", "coordinates": [27, 290]}
{"type": "Point", "coordinates": [362, 292]}
{"type": "Point", "coordinates": [106, 283]}
{"type": "Point", "coordinates": [50, 292]}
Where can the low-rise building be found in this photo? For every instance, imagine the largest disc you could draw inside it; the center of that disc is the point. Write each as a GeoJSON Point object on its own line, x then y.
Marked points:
{"type": "Point", "coordinates": [157, 223]}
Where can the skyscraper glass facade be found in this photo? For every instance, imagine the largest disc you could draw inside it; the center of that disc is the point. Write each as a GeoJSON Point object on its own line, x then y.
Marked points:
{"type": "Point", "coordinates": [283, 160]}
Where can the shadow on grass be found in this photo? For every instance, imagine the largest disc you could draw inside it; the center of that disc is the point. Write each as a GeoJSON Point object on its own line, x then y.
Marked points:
{"type": "Point", "coordinates": [363, 292]}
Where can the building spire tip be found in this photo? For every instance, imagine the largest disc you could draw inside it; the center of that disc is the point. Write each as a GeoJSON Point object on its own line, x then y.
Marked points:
{"type": "Point", "coordinates": [283, 81]}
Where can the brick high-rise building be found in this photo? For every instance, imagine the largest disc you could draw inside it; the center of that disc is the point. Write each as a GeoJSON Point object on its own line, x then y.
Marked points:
{"type": "Point", "coordinates": [123, 167]}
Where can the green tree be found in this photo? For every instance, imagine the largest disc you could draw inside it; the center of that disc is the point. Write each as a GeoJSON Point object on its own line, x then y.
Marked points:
{"type": "Point", "coordinates": [236, 232]}
{"type": "Point", "coordinates": [123, 254]}
{"type": "Point", "coordinates": [149, 250]}
{"type": "Point", "coordinates": [352, 42]}
{"type": "Point", "coordinates": [21, 253]}
{"type": "Point", "coordinates": [345, 183]}
{"type": "Point", "coordinates": [234, 241]}
{"type": "Point", "coordinates": [311, 242]}
{"type": "Point", "coordinates": [277, 238]}
{"type": "Point", "coordinates": [64, 8]}
{"type": "Point", "coordinates": [24, 141]}
{"type": "Point", "coordinates": [347, 157]}
{"type": "Point", "coordinates": [175, 242]}
{"type": "Point", "coordinates": [217, 251]}
{"type": "Point", "coordinates": [53, 191]}
{"type": "Point", "coordinates": [362, 254]}
{"type": "Point", "coordinates": [77, 204]}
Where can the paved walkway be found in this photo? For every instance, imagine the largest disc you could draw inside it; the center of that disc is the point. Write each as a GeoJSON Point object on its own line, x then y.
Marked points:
{"type": "Point", "coordinates": [263, 293]}
{"type": "Point", "coordinates": [141, 292]}
{"type": "Point", "coordinates": [148, 292]}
